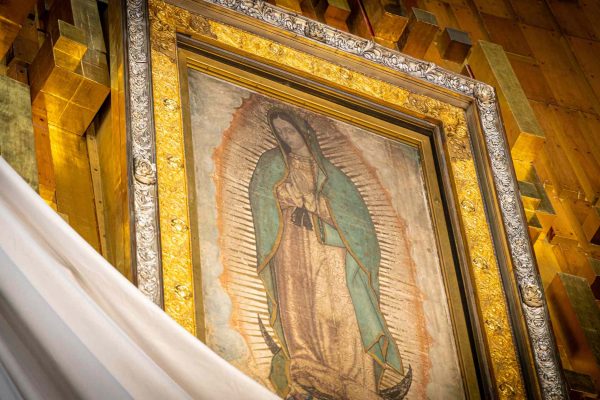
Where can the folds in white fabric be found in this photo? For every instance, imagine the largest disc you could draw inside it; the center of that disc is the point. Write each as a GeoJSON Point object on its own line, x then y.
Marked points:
{"type": "Point", "coordinates": [72, 327]}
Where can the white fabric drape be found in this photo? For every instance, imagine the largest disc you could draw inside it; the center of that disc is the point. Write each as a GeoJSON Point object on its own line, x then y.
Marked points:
{"type": "Point", "coordinates": [72, 327]}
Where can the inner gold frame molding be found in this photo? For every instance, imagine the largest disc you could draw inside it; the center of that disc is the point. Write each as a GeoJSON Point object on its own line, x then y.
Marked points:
{"type": "Point", "coordinates": [511, 308]}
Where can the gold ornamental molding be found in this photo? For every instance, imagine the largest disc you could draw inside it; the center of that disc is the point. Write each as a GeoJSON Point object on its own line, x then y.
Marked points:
{"type": "Point", "coordinates": [160, 192]}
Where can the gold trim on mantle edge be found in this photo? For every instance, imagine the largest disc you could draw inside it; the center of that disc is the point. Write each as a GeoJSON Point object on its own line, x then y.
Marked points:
{"type": "Point", "coordinates": [165, 22]}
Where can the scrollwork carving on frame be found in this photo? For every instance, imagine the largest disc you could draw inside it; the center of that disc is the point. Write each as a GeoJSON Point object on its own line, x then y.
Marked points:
{"type": "Point", "coordinates": [528, 280]}
{"type": "Point", "coordinates": [169, 174]}
{"type": "Point", "coordinates": [142, 150]}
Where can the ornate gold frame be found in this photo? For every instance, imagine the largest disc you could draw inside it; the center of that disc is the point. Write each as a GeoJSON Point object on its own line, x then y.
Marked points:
{"type": "Point", "coordinates": [465, 111]}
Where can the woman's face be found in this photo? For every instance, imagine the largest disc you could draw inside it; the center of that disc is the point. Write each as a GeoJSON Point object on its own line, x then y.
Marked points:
{"type": "Point", "coordinates": [288, 133]}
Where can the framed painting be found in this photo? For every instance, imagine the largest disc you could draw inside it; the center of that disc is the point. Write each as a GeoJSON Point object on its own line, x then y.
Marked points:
{"type": "Point", "coordinates": [335, 219]}
{"type": "Point", "coordinates": [323, 251]}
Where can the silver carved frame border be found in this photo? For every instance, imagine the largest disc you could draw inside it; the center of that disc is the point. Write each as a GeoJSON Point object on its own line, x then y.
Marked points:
{"type": "Point", "coordinates": [141, 153]}
{"type": "Point", "coordinates": [142, 161]}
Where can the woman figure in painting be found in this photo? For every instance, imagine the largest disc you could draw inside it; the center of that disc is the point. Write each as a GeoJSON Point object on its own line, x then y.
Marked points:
{"type": "Point", "coordinates": [318, 257]}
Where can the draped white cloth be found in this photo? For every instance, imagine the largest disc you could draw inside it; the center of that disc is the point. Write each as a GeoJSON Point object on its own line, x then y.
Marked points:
{"type": "Point", "coordinates": [71, 327]}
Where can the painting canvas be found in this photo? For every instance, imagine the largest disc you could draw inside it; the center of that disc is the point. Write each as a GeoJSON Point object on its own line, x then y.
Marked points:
{"type": "Point", "coordinates": [321, 276]}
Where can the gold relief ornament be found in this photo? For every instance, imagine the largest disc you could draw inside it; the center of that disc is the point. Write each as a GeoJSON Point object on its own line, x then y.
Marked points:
{"type": "Point", "coordinates": [172, 184]}
{"type": "Point", "coordinates": [166, 20]}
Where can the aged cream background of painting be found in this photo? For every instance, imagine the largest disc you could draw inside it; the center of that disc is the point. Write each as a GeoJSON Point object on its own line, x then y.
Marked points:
{"type": "Point", "coordinates": [412, 292]}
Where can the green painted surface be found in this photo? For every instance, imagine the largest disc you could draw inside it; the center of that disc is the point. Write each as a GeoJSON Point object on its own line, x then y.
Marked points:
{"type": "Point", "coordinates": [17, 143]}
{"type": "Point", "coordinates": [510, 86]}
{"type": "Point", "coordinates": [584, 304]}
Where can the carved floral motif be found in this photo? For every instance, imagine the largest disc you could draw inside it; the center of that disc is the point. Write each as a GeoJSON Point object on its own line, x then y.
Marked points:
{"type": "Point", "coordinates": [141, 133]}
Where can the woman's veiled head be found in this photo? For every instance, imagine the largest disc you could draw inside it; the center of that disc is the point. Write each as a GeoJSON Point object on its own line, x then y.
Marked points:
{"type": "Point", "coordinates": [287, 130]}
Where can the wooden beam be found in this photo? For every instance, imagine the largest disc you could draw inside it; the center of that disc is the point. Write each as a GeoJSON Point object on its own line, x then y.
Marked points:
{"type": "Point", "coordinates": [336, 14]}
{"type": "Point", "coordinates": [98, 190]}
{"type": "Point", "coordinates": [12, 16]}
{"type": "Point", "coordinates": [489, 63]}
{"type": "Point", "coordinates": [43, 151]}
{"type": "Point", "coordinates": [576, 321]}
{"type": "Point", "coordinates": [591, 226]}
{"type": "Point", "coordinates": [421, 30]}
{"type": "Point", "coordinates": [387, 20]}
{"type": "Point", "coordinates": [454, 45]}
